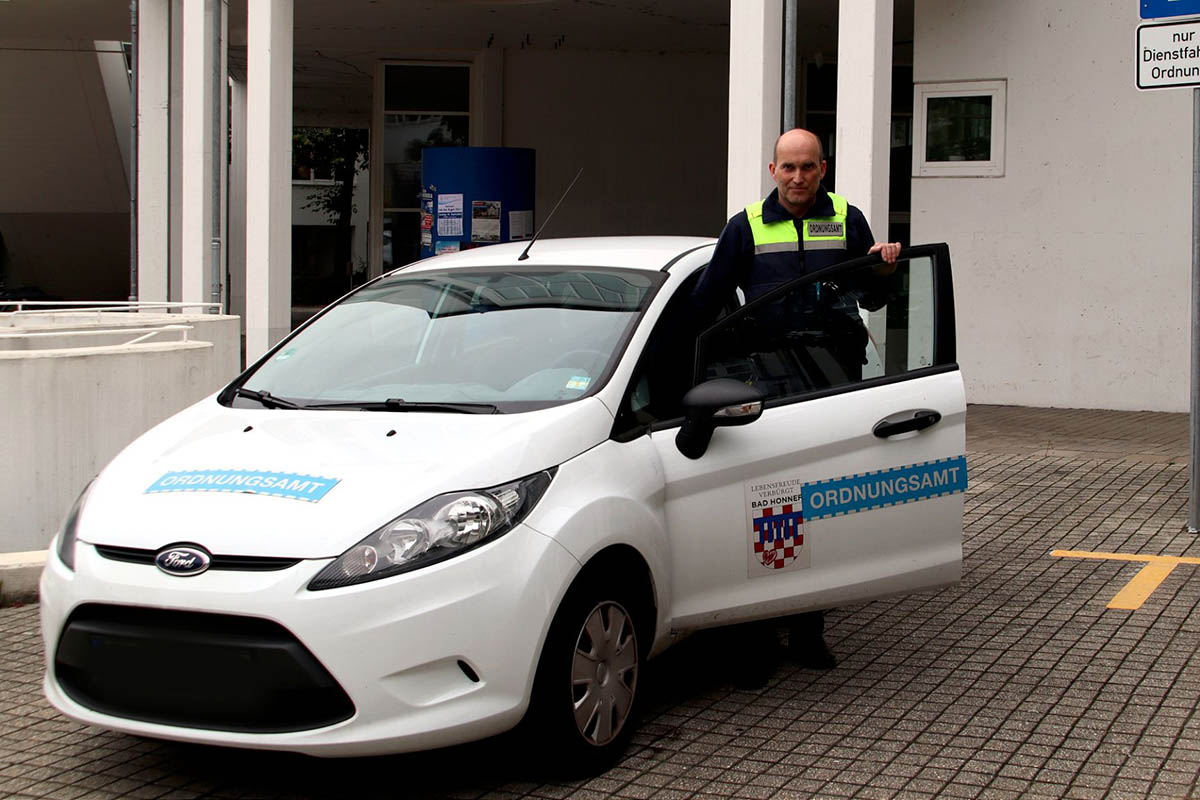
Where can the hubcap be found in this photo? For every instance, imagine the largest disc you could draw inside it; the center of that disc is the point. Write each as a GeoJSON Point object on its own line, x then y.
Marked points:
{"type": "Point", "coordinates": [604, 673]}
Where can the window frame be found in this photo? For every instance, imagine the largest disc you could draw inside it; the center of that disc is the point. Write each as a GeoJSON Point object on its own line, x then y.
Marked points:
{"type": "Point", "coordinates": [625, 425]}
{"type": "Point", "coordinates": [991, 168]}
{"type": "Point", "coordinates": [944, 337]}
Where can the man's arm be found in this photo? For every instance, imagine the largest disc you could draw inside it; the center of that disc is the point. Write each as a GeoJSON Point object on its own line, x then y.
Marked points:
{"type": "Point", "coordinates": [720, 278]}
{"type": "Point", "coordinates": [888, 251]}
{"type": "Point", "coordinates": [862, 241]}
{"type": "Point", "coordinates": [873, 290]}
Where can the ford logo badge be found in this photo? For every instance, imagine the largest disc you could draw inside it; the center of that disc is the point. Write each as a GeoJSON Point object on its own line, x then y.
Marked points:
{"type": "Point", "coordinates": [183, 560]}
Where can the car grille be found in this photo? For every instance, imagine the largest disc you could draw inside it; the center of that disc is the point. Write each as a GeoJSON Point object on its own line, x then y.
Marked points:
{"type": "Point", "coordinates": [136, 555]}
{"type": "Point", "coordinates": [195, 670]}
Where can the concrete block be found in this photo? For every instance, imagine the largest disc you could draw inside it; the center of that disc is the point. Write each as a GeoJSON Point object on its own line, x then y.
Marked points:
{"type": "Point", "coordinates": [19, 576]}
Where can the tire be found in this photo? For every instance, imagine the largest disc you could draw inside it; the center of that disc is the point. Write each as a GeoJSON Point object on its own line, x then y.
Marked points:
{"type": "Point", "coordinates": [586, 690]}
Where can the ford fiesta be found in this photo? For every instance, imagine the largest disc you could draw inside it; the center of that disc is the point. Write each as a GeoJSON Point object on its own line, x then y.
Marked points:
{"type": "Point", "coordinates": [485, 489]}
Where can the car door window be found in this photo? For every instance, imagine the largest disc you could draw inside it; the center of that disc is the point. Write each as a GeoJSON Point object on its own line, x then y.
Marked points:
{"type": "Point", "coordinates": [667, 367]}
{"type": "Point", "coordinates": [664, 371]}
{"type": "Point", "coordinates": [859, 323]}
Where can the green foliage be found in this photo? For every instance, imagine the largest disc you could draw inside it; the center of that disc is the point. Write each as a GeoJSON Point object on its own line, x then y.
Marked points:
{"type": "Point", "coordinates": [338, 154]}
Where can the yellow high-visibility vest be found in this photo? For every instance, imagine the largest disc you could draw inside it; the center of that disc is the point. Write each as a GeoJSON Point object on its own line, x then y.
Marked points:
{"type": "Point", "coordinates": [820, 233]}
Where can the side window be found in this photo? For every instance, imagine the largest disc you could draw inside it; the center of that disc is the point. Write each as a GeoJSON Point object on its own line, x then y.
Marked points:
{"type": "Point", "coordinates": [667, 366]}
{"type": "Point", "coordinates": [840, 328]}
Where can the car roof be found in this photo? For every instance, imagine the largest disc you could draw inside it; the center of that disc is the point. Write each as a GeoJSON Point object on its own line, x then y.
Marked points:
{"type": "Point", "coordinates": [651, 253]}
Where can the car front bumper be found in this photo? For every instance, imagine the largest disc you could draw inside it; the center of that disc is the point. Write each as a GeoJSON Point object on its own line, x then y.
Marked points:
{"type": "Point", "coordinates": [434, 657]}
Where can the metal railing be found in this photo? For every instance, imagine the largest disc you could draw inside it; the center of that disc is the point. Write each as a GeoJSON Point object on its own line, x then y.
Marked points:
{"type": "Point", "coordinates": [99, 306]}
{"type": "Point", "coordinates": [147, 333]}
{"type": "Point", "coordinates": [80, 312]}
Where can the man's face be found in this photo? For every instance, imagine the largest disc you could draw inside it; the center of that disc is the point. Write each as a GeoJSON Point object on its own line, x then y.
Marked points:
{"type": "Point", "coordinates": [797, 170]}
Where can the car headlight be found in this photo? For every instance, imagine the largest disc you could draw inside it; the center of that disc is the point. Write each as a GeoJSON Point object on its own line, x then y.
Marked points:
{"type": "Point", "coordinates": [435, 530]}
{"type": "Point", "coordinates": [66, 533]}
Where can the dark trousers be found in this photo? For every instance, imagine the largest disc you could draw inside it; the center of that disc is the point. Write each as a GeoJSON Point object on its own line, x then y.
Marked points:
{"type": "Point", "coordinates": [805, 627]}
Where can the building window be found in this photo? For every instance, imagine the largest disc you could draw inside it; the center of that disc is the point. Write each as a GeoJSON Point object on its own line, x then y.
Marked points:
{"type": "Point", "coordinates": [318, 154]}
{"type": "Point", "coordinates": [959, 129]}
{"type": "Point", "coordinates": [425, 105]}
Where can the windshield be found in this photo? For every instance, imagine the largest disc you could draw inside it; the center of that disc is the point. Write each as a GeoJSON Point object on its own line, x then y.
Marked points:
{"type": "Point", "coordinates": [481, 340]}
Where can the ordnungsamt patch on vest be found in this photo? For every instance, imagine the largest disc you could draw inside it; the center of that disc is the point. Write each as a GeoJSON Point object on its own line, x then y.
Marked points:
{"type": "Point", "coordinates": [826, 228]}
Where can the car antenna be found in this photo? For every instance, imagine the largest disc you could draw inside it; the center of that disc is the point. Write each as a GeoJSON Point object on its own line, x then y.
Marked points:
{"type": "Point", "coordinates": [525, 253]}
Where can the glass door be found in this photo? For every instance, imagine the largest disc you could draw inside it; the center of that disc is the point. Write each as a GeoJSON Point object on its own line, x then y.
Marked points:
{"type": "Point", "coordinates": [425, 105]}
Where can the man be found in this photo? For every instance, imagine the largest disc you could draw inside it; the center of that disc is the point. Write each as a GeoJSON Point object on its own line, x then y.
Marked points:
{"type": "Point", "coordinates": [798, 229]}
{"type": "Point", "coordinates": [827, 230]}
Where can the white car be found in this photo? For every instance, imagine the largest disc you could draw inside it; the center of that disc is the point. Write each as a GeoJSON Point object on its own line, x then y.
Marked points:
{"type": "Point", "coordinates": [482, 489]}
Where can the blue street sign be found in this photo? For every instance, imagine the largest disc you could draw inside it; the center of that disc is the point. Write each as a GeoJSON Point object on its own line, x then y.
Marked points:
{"type": "Point", "coordinates": [1154, 9]}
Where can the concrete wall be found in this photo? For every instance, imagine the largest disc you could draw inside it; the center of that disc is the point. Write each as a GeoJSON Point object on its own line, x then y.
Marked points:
{"type": "Point", "coordinates": [67, 411]}
{"type": "Point", "coordinates": [64, 195]}
{"type": "Point", "coordinates": [1071, 270]}
{"type": "Point", "coordinates": [649, 129]}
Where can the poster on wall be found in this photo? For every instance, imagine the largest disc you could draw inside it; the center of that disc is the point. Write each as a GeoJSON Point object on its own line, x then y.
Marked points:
{"type": "Point", "coordinates": [485, 221]}
{"type": "Point", "coordinates": [449, 215]}
{"type": "Point", "coordinates": [520, 225]}
{"type": "Point", "coordinates": [449, 204]}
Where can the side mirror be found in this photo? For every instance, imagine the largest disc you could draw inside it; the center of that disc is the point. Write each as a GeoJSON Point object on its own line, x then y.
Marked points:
{"type": "Point", "coordinates": [713, 404]}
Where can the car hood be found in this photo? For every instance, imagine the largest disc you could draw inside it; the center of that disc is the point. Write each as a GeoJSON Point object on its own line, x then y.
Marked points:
{"type": "Point", "coordinates": [309, 484]}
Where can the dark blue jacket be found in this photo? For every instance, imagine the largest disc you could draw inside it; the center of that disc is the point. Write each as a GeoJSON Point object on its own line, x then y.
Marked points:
{"type": "Point", "coordinates": [734, 263]}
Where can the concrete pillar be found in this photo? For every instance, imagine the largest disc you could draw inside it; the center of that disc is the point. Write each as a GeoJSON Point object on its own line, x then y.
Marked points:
{"type": "Point", "coordinates": [237, 200]}
{"type": "Point", "coordinates": [154, 152]}
{"type": "Point", "coordinates": [110, 59]}
{"type": "Point", "coordinates": [375, 146]}
{"type": "Point", "coordinates": [268, 175]}
{"type": "Point", "coordinates": [755, 86]}
{"type": "Point", "coordinates": [221, 95]}
{"type": "Point", "coordinates": [196, 207]}
{"type": "Point", "coordinates": [175, 211]}
{"type": "Point", "coordinates": [487, 98]}
{"type": "Point", "coordinates": [864, 107]}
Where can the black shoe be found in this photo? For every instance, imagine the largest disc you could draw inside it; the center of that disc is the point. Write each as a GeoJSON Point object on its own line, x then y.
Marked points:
{"type": "Point", "coordinates": [806, 641]}
{"type": "Point", "coordinates": [812, 653]}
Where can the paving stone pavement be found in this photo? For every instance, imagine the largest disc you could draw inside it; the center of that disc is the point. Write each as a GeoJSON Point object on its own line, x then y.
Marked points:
{"type": "Point", "coordinates": [1019, 682]}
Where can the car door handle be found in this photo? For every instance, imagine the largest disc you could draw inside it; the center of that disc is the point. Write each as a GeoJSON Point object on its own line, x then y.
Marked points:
{"type": "Point", "coordinates": [906, 421]}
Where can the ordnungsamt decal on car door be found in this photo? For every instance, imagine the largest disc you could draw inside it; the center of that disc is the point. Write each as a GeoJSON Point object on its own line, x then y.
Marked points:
{"type": "Point", "coordinates": [777, 507]}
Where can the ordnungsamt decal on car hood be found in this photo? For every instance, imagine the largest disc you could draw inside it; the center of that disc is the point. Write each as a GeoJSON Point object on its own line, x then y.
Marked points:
{"type": "Point", "coordinates": [310, 488]}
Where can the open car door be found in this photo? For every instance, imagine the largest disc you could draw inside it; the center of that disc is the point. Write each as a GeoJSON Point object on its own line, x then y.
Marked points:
{"type": "Point", "coordinates": [849, 486]}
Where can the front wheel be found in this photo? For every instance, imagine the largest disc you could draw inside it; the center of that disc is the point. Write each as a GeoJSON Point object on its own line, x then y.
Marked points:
{"type": "Point", "coordinates": [585, 694]}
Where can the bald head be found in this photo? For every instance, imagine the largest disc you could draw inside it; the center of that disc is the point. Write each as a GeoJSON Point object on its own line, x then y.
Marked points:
{"type": "Point", "coordinates": [797, 136]}
{"type": "Point", "coordinates": [797, 170]}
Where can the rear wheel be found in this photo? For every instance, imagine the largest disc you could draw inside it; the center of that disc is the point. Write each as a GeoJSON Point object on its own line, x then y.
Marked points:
{"type": "Point", "coordinates": [585, 695]}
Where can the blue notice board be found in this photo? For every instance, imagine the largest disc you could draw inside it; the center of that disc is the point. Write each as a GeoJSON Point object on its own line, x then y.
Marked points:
{"type": "Point", "coordinates": [1154, 9]}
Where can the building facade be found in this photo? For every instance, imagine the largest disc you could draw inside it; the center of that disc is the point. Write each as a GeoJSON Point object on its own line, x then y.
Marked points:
{"type": "Point", "coordinates": [1013, 131]}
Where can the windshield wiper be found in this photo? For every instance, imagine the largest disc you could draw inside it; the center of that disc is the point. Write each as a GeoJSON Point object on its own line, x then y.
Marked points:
{"type": "Point", "coordinates": [266, 398]}
{"type": "Point", "coordinates": [396, 404]}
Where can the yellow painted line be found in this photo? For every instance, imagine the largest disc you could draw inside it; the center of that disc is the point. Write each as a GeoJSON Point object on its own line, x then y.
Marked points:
{"type": "Point", "coordinates": [1142, 585]}
{"type": "Point", "coordinates": [1123, 556]}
